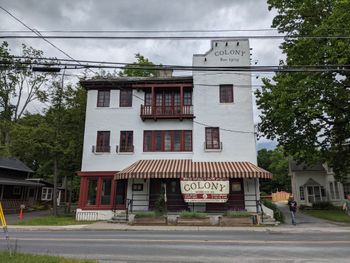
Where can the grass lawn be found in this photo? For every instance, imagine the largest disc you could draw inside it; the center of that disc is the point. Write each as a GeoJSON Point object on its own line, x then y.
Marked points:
{"type": "Point", "coordinates": [52, 221]}
{"type": "Point", "coordinates": [332, 215]}
{"type": "Point", "coordinates": [30, 258]}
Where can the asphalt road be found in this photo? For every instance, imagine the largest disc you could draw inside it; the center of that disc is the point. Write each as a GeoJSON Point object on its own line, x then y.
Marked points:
{"type": "Point", "coordinates": [186, 246]}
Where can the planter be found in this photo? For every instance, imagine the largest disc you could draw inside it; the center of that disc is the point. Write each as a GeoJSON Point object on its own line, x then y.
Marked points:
{"type": "Point", "coordinates": [149, 221]}
{"type": "Point", "coordinates": [193, 221]}
{"type": "Point", "coordinates": [236, 221]}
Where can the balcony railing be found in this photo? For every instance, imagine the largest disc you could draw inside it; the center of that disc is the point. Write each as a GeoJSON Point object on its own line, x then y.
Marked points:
{"type": "Point", "coordinates": [125, 148]}
{"type": "Point", "coordinates": [166, 112]}
{"type": "Point", "coordinates": [101, 149]}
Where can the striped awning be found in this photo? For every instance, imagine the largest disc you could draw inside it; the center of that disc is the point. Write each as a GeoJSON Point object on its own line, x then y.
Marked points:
{"type": "Point", "coordinates": [144, 169]}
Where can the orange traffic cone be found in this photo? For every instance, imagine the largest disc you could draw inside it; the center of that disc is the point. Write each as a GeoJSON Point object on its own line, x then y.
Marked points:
{"type": "Point", "coordinates": [21, 214]}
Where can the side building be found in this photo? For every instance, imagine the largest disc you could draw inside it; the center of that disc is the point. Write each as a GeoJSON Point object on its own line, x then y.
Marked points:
{"type": "Point", "coordinates": [189, 140]}
{"type": "Point", "coordinates": [314, 184]}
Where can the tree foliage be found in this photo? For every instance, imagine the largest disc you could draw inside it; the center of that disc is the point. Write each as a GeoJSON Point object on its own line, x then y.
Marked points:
{"type": "Point", "coordinates": [309, 113]}
{"type": "Point", "coordinates": [141, 68]}
{"type": "Point", "coordinates": [276, 162]}
{"type": "Point", "coordinates": [19, 88]}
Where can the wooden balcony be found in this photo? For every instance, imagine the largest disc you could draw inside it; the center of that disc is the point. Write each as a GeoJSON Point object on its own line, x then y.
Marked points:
{"type": "Point", "coordinates": [166, 112]}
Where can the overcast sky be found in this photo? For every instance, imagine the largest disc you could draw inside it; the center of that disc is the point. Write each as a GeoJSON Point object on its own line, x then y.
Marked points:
{"type": "Point", "coordinates": [141, 15]}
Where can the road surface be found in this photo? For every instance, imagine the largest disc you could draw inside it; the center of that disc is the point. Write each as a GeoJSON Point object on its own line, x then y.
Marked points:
{"type": "Point", "coordinates": [186, 246]}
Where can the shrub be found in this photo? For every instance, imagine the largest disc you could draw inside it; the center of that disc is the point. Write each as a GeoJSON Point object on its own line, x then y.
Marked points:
{"type": "Point", "coordinates": [323, 206]}
{"type": "Point", "coordinates": [237, 214]}
{"type": "Point", "coordinates": [148, 214]}
{"type": "Point", "coordinates": [277, 214]}
{"type": "Point", "coordinates": [189, 214]}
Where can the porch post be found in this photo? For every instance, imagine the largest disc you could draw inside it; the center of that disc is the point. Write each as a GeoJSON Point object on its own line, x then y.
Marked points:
{"type": "Point", "coordinates": [256, 195]}
{"type": "Point", "coordinates": [153, 104]}
{"type": "Point", "coordinates": [2, 192]}
{"type": "Point", "coordinates": [181, 99]}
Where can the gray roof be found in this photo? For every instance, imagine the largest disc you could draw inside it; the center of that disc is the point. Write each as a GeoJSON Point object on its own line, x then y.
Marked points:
{"type": "Point", "coordinates": [8, 181]}
{"type": "Point", "coordinates": [13, 163]}
{"type": "Point", "coordinates": [294, 166]}
{"type": "Point", "coordinates": [128, 81]}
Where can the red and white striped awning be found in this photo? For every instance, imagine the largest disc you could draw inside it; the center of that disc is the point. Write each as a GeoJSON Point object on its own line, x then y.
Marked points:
{"type": "Point", "coordinates": [145, 169]}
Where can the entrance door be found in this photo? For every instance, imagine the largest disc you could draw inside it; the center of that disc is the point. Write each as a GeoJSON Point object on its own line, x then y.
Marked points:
{"type": "Point", "coordinates": [314, 194]}
{"type": "Point", "coordinates": [236, 196]}
{"type": "Point", "coordinates": [120, 195]}
{"type": "Point", "coordinates": [169, 188]}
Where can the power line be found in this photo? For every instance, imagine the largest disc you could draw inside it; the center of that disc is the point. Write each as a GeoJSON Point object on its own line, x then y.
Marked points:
{"type": "Point", "coordinates": [78, 62]}
{"type": "Point", "coordinates": [172, 37]}
{"type": "Point", "coordinates": [144, 31]}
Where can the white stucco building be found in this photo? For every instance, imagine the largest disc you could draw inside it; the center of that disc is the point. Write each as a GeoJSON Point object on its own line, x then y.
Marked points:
{"type": "Point", "coordinates": [313, 184]}
{"type": "Point", "coordinates": [179, 138]}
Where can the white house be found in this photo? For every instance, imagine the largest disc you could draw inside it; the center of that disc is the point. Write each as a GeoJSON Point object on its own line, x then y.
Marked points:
{"type": "Point", "coordinates": [312, 184]}
{"type": "Point", "coordinates": [189, 140]}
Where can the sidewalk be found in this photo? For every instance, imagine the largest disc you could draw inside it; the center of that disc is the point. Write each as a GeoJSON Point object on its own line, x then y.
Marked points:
{"type": "Point", "coordinates": [104, 226]}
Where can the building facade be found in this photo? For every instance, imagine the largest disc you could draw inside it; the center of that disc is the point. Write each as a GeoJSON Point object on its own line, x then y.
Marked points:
{"type": "Point", "coordinates": [313, 184]}
{"type": "Point", "coordinates": [179, 140]}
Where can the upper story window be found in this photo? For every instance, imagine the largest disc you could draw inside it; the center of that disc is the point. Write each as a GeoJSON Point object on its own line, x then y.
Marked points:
{"type": "Point", "coordinates": [125, 99]}
{"type": "Point", "coordinates": [226, 93]}
{"type": "Point", "coordinates": [167, 141]}
{"type": "Point", "coordinates": [126, 141]}
{"type": "Point", "coordinates": [188, 98]}
{"type": "Point", "coordinates": [103, 98]}
{"type": "Point", "coordinates": [212, 138]}
{"type": "Point", "coordinates": [102, 142]}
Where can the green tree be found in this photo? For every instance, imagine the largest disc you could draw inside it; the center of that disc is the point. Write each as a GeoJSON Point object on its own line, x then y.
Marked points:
{"type": "Point", "coordinates": [141, 68]}
{"type": "Point", "coordinates": [19, 87]}
{"type": "Point", "coordinates": [309, 113]}
{"type": "Point", "coordinates": [276, 162]}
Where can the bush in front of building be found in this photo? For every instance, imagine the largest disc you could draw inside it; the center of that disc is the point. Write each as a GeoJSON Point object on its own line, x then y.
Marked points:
{"type": "Point", "coordinates": [324, 205]}
{"type": "Point", "coordinates": [191, 214]}
{"type": "Point", "coordinates": [237, 214]}
{"type": "Point", "coordinates": [277, 214]}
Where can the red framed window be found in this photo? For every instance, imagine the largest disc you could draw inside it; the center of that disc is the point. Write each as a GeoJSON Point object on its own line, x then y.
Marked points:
{"type": "Point", "coordinates": [226, 93]}
{"type": "Point", "coordinates": [103, 98]}
{"type": "Point", "coordinates": [167, 141]}
{"type": "Point", "coordinates": [126, 141]}
{"type": "Point", "coordinates": [102, 142]}
{"type": "Point", "coordinates": [212, 138]}
{"type": "Point", "coordinates": [188, 98]}
{"type": "Point", "coordinates": [148, 99]}
{"type": "Point", "coordinates": [125, 99]}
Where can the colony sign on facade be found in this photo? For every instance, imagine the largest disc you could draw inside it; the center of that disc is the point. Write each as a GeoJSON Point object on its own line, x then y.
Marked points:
{"type": "Point", "coordinates": [208, 191]}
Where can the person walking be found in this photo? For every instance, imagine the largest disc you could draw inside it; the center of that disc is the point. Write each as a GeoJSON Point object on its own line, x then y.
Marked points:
{"type": "Point", "coordinates": [293, 209]}
{"type": "Point", "coordinates": [346, 205]}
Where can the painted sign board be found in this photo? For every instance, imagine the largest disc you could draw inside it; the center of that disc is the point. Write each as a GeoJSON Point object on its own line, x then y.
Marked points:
{"type": "Point", "coordinates": [204, 191]}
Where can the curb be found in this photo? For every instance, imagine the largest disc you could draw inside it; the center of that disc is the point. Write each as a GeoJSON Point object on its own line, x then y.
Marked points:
{"type": "Point", "coordinates": [124, 227]}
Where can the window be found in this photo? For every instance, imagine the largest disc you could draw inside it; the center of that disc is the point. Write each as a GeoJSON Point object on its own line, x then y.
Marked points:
{"type": "Point", "coordinates": [302, 194]}
{"type": "Point", "coordinates": [336, 190]}
{"type": "Point", "coordinates": [103, 97]}
{"type": "Point", "coordinates": [106, 191]}
{"type": "Point", "coordinates": [226, 93]}
{"type": "Point", "coordinates": [137, 187]}
{"type": "Point", "coordinates": [125, 98]}
{"type": "Point", "coordinates": [148, 99]}
{"type": "Point", "coordinates": [167, 141]}
{"type": "Point", "coordinates": [92, 192]}
{"type": "Point", "coordinates": [188, 98]}
{"type": "Point", "coordinates": [46, 194]}
{"type": "Point", "coordinates": [126, 141]}
{"type": "Point", "coordinates": [236, 187]}
{"type": "Point", "coordinates": [102, 142]}
{"type": "Point", "coordinates": [331, 190]}
{"type": "Point", "coordinates": [212, 140]}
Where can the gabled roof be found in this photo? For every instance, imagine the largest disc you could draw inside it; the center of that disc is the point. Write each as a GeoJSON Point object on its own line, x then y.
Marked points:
{"type": "Point", "coordinates": [13, 163]}
{"type": "Point", "coordinates": [311, 182]}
